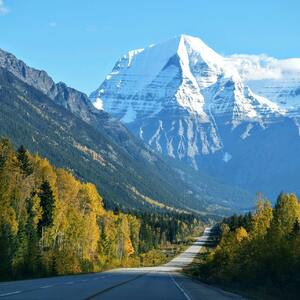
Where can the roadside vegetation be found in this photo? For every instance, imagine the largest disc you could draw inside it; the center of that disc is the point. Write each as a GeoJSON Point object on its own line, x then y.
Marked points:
{"type": "Point", "coordinates": [258, 254]}
{"type": "Point", "coordinates": [53, 224]}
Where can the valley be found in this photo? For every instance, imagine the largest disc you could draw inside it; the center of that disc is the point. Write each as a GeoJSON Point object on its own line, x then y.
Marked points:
{"type": "Point", "coordinates": [121, 283]}
{"type": "Point", "coordinates": [149, 150]}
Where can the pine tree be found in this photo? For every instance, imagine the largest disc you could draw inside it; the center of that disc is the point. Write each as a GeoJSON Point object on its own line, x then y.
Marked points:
{"type": "Point", "coordinates": [47, 205]}
{"type": "Point", "coordinates": [23, 158]}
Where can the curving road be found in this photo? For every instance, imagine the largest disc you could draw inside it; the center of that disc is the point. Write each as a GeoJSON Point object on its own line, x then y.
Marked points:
{"type": "Point", "coordinates": [163, 282]}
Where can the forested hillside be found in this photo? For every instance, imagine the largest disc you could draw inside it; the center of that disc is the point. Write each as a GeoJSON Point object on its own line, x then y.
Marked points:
{"type": "Point", "coordinates": [259, 253]}
{"type": "Point", "coordinates": [50, 223]}
{"type": "Point", "coordinates": [130, 177]}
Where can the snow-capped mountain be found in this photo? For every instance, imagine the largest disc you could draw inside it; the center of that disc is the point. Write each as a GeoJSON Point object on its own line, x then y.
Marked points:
{"type": "Point", "coordinates": [174, 95]}
{"type": "Point", "coordinates": [182, 72]}
{"type": "Point", "coordinates": [60, 123]}
{"type": "Point", "coordinates": [189, 102]}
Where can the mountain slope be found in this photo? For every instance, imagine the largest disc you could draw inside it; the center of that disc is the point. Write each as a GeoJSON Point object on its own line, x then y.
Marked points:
{"type": "Point", "coordinates": [74, 101]}
{"type": "Point", "coordinates": [174, 103]}
{"type": "Point", "coordinates": [65, 127]}
{"type": "Point", "coordinates": [31, 118]}
{"type": "Point", "coordinates": [190, 103]}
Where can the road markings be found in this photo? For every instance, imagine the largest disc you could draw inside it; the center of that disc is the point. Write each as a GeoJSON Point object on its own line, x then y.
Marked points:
{"type": "Point", "coordinates": [180, 288]}
{"type": "Point", "coordinates": [114, 286]}
{"type": "Point", "coordinates": [11, 293]}
{"type": "Point", "coordinates": [46, 286]}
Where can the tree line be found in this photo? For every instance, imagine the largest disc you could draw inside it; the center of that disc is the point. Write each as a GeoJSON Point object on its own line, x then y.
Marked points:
{"type": "Point", "coordinates": [51, 223]}
{"type": "Point", "coordinates": [259, 253]}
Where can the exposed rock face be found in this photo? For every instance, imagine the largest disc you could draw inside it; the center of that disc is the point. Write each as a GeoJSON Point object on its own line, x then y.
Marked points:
{"type": "Point", "coordinates": [72, 99]}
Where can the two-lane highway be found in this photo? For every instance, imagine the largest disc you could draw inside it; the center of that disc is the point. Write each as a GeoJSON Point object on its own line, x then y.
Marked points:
{"type": "Point", "coordinates": [163, 282]}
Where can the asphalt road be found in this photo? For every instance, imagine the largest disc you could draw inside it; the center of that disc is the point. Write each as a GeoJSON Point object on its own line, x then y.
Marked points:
{"type": "Point", "coordinates": [163, 282]}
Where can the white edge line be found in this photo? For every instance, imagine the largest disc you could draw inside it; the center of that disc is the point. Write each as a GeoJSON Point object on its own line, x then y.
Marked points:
{"type": "Point", "coordinates": [180, 288]}
{"type": "Point", "coordinates": [12, 293]}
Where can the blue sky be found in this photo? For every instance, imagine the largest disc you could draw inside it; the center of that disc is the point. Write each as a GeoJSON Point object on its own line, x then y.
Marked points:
{"type": "Point", "coordinates": [78, 42]}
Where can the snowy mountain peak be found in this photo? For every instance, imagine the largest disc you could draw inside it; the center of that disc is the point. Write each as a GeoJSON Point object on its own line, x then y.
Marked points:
{"type": "Point", "coordinates": [197, 50]}
{"type": "Point", "coordinates": [182, 71]}
{"type": "Point", "coordinates": [176, 96]}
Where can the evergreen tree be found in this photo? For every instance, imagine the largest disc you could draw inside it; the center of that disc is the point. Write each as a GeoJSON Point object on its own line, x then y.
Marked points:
{"type": "Point", "coordinates": [25, 163]}
{"type": "Point", "coordinates": [47, 205]}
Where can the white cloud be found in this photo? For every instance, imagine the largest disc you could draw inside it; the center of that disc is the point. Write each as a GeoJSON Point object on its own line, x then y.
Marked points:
{"type": "Point", "coordinates": [259, 67]}
{"type": "Point", "coordinates": [290, 65]}
{"type": "Point", "coordinates": [3, 9]}
{"type": "Point", "coordinates": [52, 24]}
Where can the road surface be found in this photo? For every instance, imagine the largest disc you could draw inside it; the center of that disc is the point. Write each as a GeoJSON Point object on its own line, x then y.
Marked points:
{"type": "Point", "coordinates": [153, 283]}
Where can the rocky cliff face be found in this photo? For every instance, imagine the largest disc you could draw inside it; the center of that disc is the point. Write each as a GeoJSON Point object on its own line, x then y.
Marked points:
{"type": "Point", "coordinates": [63, 95]}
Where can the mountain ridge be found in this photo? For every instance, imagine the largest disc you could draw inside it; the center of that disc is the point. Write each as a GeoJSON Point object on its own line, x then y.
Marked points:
{"type": "Point", "coordinates": [194, 106]}
{"type": "Point", "coordinates": [187, 53]}
{"type": "Point", "coordinates": [106, 146]}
